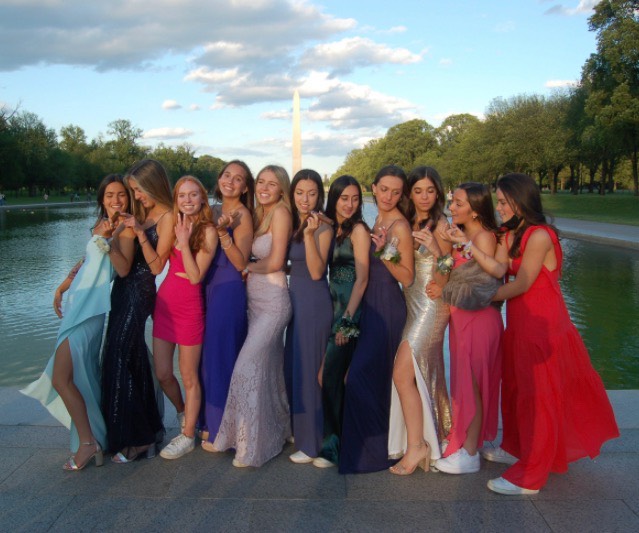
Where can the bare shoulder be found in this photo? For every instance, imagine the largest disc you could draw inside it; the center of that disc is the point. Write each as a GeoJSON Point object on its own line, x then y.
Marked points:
{"type": "Point", "coordinates": [539, 238]}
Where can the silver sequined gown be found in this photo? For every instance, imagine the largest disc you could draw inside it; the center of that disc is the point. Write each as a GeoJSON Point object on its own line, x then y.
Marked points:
{"type": "Point", "coordinates": [426, 323]}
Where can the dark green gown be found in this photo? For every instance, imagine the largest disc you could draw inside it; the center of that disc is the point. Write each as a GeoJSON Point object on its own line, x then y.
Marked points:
{"type": "Point", "coordinates": [338, 358]}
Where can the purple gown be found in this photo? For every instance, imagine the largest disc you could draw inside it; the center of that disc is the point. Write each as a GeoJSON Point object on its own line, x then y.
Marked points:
{"type": "Point", "coordinates": [364, 443]}
{"type": "Point", "coordinates": [306, 339]}
{"type": "Point", "coordinates": [226, 325]}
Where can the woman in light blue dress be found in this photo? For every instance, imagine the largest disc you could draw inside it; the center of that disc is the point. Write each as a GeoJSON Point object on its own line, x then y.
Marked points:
{"type": "Point", "coordinates": [70, 385]}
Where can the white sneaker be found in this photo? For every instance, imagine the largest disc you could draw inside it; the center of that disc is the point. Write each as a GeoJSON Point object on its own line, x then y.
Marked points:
{"type": "Point", "coordinates": [179, 446]}
{"type": "Point", "coordinates": [497, 455]}
{"type": "Point", "coordinates": [301, 458]}
{"type": "Point", "coordinates": [321, 462]}
{"type": "Point", "coordinates": [459, 462]}
{"type": "Point", "coordinates": [503, 486]}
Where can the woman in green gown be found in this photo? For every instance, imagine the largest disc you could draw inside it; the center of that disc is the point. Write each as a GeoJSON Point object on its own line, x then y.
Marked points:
{"type": "Point", "coordinates": [347, 283]}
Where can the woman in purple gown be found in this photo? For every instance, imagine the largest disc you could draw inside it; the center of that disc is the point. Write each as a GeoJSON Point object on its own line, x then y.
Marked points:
{"type": "Point", "coordinates": [364, 443]}
{"type": "Point", "coordinates": [225, 291]}
{"type": "Point", "coordinates": [308, 332]}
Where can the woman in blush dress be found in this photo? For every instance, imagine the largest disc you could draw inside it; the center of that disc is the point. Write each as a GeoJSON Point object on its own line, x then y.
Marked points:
{"type": "Point", "coordinates": [364, 444]}
{"type": "Point", "coordinates": [70, 385]}
{"type": "Point", "coordinates": [547, 374]}
{"type": "Point", "coordinates": [309, 329]}
{"type": "Point", "coordinates": [256, 419]}
{"type": "Point", "coordinates": [225, 290]}
{"type": "Point", "coordinates": [420, 408]}
{"type": "Point", "coordinates": [131, 404]}
{"type": "Point", "coordinates": [474, 336]}
{"type": "Point", "coordinates": [178, 318]}
{"type": "Point", "coordinates": [348, 280]}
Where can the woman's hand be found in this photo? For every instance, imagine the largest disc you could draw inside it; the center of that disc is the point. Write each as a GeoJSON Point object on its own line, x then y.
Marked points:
{"type": "Point", "coordinates": [131, 222]}
{"type": "Point", "coordinates": [104, 228]}
{"type": "Point", "coordinates": [380, 238]}
{"type": "Point", "coordinates": [57, 303]}
{"type": "Point", "coordinates": [183, 230]}
{"type": "Point", "coordinates": [226, 221]}
{"type": "Point", "coordinates": [433, 290]}
{"type": "Point", "coordinates": [454, 234]}
{"type": "Point", "coordinates": [340, 340]}
{"type": "Point", "coordinates": [426, 238]}
{"type": "Point", "coordinates": [312, 223]}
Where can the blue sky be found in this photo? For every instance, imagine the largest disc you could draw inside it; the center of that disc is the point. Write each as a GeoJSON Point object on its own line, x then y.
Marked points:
{"type": "Point", "coordinates": [220, 75]}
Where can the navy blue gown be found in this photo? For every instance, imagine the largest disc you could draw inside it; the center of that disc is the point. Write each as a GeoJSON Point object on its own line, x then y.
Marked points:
{"type": "Point", "coordinates": [226, 325]}
{"type": "Point", "coordinates": [364, 443]}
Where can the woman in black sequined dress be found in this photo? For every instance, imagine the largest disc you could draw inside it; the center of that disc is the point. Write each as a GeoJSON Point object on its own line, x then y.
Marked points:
{"type": "Point", "coordinates": [130, 405]}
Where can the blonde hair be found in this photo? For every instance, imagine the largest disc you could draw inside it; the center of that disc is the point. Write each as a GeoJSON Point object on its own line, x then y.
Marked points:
{"type": "Point", "coordinates": [152, 179]}
{"type": "Point", "coordinates": [204, 217]}
{"type": "Point", "coordinates": [261, 221]}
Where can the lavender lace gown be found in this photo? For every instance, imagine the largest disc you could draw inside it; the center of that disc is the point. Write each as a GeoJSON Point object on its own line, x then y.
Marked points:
{"type": "Point", "coordinates": [256, 417]}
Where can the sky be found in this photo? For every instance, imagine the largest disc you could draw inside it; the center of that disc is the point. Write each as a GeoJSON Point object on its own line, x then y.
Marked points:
{"type": "Point", "coordinates": [219, 75]}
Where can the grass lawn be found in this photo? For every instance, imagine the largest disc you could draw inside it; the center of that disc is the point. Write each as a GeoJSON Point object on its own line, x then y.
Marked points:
{"type": "Point", "coordinates": [616, 208]}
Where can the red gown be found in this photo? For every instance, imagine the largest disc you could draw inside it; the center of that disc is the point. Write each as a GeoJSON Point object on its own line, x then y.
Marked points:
{"type": "Point", "coordinates": [555, 409]}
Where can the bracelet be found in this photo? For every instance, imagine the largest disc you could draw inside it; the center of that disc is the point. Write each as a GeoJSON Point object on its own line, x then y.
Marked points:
{"type": "Point", "coordinates": [222, 235]}
{"type": "Point", "coordinates": [156, 256]}
{"type": "Point", "coordinates": [227, 247]}
{"type": "Point", "coordinates": [144, 242]}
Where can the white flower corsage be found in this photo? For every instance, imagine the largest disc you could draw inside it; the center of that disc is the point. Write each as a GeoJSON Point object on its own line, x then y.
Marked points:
{"type": "Point", "coordinates": [102, 244]}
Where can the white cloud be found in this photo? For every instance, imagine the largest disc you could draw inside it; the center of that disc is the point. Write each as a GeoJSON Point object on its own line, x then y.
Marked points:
{"type": "Point", "coordinates": [194, 107]}
{"type": "Point", "coordinates": [170, 105]}
{"type": "Point", "coordinates": [342, 57]}
{"type": "Point", "coordinates": [553, 84]}
{"type": "Point", "coordinates": [583, 7]}
{"type": "Point", "coordinates": [167, 133]}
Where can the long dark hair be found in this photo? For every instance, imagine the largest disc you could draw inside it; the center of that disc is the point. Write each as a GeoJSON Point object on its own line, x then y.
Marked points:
{"type": "Point", "coordinates": [248, 198]}
{"type": "Point", "coordinates": [106, 181]}
{"type": "Point", "coordinates": [305, 174]}
{"type": "Point", "coordinates": [523, 197]}
{"type": "Point", "coordinates": [398, 172]}
{"type": "Point", "coordinates": [334, 192]}
{"type": "Point", "coordinates": [437, 211]}
{"type": "Point", "coordinates": [481, 202]}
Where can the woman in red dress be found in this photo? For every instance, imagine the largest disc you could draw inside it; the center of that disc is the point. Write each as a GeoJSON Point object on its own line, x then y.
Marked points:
{"type": "Point", "coordinates": [555, 409]}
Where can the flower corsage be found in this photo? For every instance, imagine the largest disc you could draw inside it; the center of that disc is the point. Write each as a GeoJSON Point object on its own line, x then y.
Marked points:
{"type": "Point", "coordinates": [464, 249]}
{"type": "Point", "coordinates": [348, 327]}
{"type": "Point", "coordinates": [390, 252]}
{"type": "Point", "coordinates": [445, 263]}
{"type": "Point", "coordinates": [102, 244]}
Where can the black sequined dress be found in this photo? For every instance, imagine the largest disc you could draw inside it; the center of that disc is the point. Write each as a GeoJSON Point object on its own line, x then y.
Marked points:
{"type": "Point", "coordinates": [131, 404]}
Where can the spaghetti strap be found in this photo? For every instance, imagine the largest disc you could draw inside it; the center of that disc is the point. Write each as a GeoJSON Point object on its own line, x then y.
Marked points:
{"type": "Point", "coordinates": [160, 217]}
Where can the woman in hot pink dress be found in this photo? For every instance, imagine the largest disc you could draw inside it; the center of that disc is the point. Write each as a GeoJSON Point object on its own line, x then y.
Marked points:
{"type": "Point", "coordinates": [554, 406]}
{"type": "Point", "coordinates": [475, 338]}
{"type": "Point", "coordinates": [179, 310]}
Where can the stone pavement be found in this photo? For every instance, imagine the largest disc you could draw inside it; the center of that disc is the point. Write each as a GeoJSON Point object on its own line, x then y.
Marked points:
{"type": "Point", "coordinates": [614, 234]}
{"type": "Point", "coordinates": [204, 492]}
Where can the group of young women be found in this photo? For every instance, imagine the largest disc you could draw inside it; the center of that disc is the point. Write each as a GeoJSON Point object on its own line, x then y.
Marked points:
{"type": "Point", "coordinates": [345, 358]}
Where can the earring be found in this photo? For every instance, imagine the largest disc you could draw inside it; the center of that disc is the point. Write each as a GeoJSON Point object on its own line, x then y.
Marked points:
{"type": "Point", "coordinates": [474, 217]}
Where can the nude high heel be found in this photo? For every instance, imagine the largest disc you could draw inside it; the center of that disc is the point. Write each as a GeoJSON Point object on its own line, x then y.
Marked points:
{"type": "Point", "coordinates": [72, 466]}
{"type": "Point", "coordinates": [424, 462]}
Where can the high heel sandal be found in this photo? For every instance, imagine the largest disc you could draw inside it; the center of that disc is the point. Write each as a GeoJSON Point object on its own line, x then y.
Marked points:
{"type": "Point", "coordinates": [125, 456]}
{"type": "Point", "coordinates": [423, 463]}
{"type": "Point", "coordinates": [72, 466]}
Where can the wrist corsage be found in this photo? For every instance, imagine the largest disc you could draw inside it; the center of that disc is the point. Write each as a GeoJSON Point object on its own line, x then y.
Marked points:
{"type": "Point", "coordinates": [390, 252]}
{"type": "Point", "coordinates": [347, 327]}
{"type": "Point", "coordinates": [445, 263]}
{"type": "Point", "coordinates": [463, 248]}
{"type": "Point", "coordinates": [102, 244]}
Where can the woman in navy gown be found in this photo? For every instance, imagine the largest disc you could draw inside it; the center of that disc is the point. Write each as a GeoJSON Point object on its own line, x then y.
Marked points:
{"type": "Point", "coordinates": [364, 443]}
{"type": "Point", "coordinates": [225, 293]}
{"type": "Point", "coordinates": [309, 329]}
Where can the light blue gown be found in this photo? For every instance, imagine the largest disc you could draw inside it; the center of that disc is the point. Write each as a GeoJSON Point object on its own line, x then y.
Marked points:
{"type": "Point", "coordinates": [88, 301]}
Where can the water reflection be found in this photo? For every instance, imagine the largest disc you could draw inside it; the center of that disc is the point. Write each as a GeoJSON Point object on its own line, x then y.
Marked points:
{"type": "Point", "coordinates": [39, 247]}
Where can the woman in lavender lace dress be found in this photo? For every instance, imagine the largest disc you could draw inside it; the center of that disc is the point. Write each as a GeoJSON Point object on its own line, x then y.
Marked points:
{"type": "Point", "coordinates": [256, 417]}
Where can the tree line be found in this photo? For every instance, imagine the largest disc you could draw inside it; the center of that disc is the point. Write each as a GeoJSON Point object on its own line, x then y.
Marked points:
{"type": "Point", "coordinates": [35, 158]}
{"type": "Point", "coordinates": [583, 137]}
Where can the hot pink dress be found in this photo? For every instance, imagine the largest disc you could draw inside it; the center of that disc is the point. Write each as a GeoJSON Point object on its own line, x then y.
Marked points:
{"type": "Point", "coordinates": [475, 355]}
{"type": "Point", "coordinates": [179, 309]}
{"type": "Point", "coordinates": [555, 409]}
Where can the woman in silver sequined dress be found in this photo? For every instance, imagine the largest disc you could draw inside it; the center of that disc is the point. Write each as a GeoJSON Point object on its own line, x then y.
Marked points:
{"type": "Point", "coordinates": [420, 408]}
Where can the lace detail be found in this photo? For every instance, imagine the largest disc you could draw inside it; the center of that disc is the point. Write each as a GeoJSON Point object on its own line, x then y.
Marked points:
{"type": "Point", "coordinates": [256, 417]}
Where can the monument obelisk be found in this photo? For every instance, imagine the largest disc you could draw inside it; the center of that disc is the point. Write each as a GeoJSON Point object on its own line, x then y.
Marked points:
{"type": "Point", "coordinates": [297, 134]}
